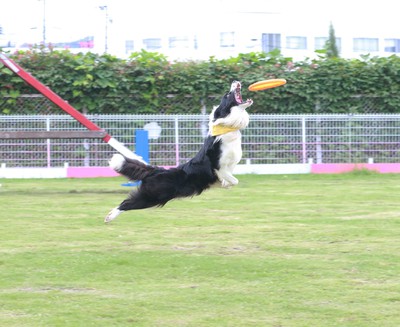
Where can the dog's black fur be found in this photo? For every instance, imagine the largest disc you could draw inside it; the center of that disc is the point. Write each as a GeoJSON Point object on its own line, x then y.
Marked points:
{"type": "Point", "coordinates": [159, 185]}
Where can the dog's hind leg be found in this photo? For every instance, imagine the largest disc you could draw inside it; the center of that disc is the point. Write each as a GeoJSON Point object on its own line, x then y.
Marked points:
{"type": "Point", "coordinates": [114, 213]}
{"type": "Point", "coordinates": [134, 202]}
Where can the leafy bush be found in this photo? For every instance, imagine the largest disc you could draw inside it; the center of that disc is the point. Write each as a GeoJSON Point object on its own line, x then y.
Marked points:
{"type": "Point", "coordinates": [148, 83]}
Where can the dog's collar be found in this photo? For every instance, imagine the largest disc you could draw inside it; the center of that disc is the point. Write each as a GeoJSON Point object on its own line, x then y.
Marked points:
{"type": "Point", "coordinates": [221, 129]}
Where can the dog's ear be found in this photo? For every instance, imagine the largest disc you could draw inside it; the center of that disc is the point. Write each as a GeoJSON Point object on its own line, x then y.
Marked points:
{"type": "Point", "coordinates": [224, 108]}
{"type": "Point", "coordinates": [221, 112]}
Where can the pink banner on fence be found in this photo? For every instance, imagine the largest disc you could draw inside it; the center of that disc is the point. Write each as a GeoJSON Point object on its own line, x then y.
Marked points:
{"type": "Point", "coordinates": [343, 168]}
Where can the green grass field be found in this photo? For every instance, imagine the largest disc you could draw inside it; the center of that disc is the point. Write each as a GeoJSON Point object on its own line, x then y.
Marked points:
{"type": "Point", "coordinates": [281, 250]}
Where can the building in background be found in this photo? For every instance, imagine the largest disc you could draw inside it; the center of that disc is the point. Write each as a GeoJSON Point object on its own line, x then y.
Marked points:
{"type": "Point", "coordinates": [218, 28]}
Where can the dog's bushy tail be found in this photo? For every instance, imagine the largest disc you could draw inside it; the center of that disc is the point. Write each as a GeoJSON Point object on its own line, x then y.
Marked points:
{"type": "Point", "coordinates": [132, 169]}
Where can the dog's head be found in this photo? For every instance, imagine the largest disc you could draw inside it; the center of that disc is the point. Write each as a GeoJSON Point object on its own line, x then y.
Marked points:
{"type": "Point", "coordinates": [231, 112]}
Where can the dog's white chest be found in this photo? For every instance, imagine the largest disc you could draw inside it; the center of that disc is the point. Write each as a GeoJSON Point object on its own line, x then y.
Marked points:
{"type": "Point", "coordinates": [231, 150]}
{"type": "Point", "coordinates": [231, 153]}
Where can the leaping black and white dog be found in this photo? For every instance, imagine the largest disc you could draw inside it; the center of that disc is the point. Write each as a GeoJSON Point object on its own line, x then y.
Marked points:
{"type": "Point", "coordinates": [216, 160]}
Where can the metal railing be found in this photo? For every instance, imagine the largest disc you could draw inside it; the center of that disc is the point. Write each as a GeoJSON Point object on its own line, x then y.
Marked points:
{"type": "Point", "coordinates": [269, 139]}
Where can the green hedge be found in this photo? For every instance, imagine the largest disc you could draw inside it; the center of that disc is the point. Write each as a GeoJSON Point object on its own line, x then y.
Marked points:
{"type": "Point", "coordinates": [148, 83]}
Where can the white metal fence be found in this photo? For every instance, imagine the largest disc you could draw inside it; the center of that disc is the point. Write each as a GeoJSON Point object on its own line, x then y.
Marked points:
{"type": "Point", "coordinates": [269, 139]}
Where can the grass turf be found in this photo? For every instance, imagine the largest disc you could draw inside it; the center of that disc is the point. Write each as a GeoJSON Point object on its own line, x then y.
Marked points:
{"type": "Point", "coordinates": [295, 250]}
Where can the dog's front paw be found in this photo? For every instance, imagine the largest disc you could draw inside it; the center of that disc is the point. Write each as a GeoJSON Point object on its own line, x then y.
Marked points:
{"type": "Point", "coordinates": [117, 161]}
{"type": "Point", "coordinates": [226, 184]}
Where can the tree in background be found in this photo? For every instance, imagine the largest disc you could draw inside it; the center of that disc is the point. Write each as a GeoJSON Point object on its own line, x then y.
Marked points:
{"type": "Point", "coordinates": [330, 45]}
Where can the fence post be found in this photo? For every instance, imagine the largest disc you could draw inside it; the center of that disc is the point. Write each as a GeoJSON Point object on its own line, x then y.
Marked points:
{"type": "Point", "coordinates": [349, 130]}
{"type": "Point", "coordinates": [86, 145]}
{"type": "Point", "coordinates": [318, 140]}
{"type": "Point", "coordinates": [48, 144]}
{"type": "Point", "coordinates": [204, 122]}
{"type": "Point", "coordinates": [177, 141]}
{"type": "Point", "coordinates": [304, 139]}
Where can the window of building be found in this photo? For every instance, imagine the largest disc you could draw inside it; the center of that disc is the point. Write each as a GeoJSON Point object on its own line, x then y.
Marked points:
{"type": "Point", "coordinates": [296, 42]}
{"type": "Point", "coordinates": [392, 45]}
{"type": "Point", "coordinates": [129, 46]}
{"type": "Point", "coordinates": [178, 42]}
{"type": "Point", "coordinates": [227, 39]}
{"type": "Point", "coordinates": [365, 44]}
{"type": "Point", "coordinates": [320, 42]}
{"type": "Point", "coordinates": [152, 44]}
{"type": "Point", "coordinates": [270, 42]}
{"type": "Point", "coordinates": [1, 30]}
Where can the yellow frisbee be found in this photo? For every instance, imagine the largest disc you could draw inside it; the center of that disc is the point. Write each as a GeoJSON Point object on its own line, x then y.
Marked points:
{"type": "Point", "coordinates": [267, 84]}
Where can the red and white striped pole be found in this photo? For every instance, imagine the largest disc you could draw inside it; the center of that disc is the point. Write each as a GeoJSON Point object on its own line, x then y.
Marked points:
{"type": "Point", "coordinates": [64, 105]}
